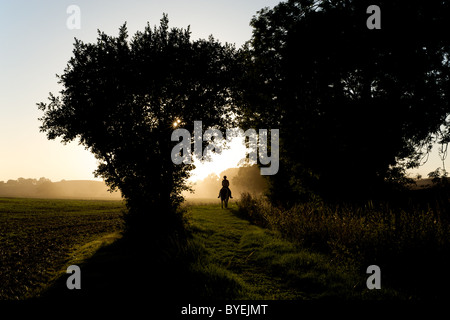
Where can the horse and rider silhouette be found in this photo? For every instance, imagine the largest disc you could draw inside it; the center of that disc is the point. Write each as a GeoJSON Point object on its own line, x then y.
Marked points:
{"type": "Point", "coordinates": [225, 192]}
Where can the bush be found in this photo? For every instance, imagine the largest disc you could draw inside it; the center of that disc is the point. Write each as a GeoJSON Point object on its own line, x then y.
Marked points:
{"type": "Point", "coordinates": [412, 245]}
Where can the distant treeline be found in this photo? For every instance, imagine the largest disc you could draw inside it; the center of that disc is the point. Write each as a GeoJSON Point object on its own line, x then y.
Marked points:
{"type": "Point", "coordinates": [45, 188]}
{"type": "Point", "coordinates": [242, 180]}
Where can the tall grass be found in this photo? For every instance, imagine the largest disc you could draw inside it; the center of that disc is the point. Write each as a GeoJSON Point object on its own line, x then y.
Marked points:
{"type": "Point", "coordinates": [411, 244]}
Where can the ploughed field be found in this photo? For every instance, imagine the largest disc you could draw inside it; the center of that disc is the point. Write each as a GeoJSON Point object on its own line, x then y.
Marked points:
{"type": "Point", "coordinates": [40, 238]}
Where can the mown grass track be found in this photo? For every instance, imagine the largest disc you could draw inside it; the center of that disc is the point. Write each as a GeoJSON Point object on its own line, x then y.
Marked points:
{"type": "Point", "coordinates": [265, 266]}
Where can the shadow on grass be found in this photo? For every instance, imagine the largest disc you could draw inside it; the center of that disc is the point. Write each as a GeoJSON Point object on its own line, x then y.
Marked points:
{"type": "Point", "coordinates": [135, 273]}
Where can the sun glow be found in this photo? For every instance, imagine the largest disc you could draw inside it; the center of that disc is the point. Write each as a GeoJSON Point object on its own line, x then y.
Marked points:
{"type": "Point", "coordinates": [232, 156]}
{"type": "Point", "coordinates": [176, 123]}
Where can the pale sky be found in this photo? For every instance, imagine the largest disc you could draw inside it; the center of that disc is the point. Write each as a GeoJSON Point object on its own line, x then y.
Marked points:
{"type": "Point", "coordinates": [36, 45]}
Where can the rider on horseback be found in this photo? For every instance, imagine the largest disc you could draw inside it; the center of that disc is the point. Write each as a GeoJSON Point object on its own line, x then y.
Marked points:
{"type": "Point", "coordinates": [226, 184]}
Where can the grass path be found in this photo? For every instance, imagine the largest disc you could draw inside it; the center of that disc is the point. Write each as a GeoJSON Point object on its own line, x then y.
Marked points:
{"type": "Point", "coordinates": [226, 258]}
{"type": "Point", "coordinates": [263, 265]}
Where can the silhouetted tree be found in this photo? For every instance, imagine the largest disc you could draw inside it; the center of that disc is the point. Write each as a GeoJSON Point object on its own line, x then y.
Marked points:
{"type": "Point", "coordinates": [121, 98]}
{"type": "Point", "coordinates": [439, 177]}
{"type": "Point", "coordinates": [11, 182]}
{"type": "Point", "coordinates": [354, 106]}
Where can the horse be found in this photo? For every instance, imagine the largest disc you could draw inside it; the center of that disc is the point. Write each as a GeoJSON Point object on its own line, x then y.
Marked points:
{"type": "Point", "coordinates": [224, 196]}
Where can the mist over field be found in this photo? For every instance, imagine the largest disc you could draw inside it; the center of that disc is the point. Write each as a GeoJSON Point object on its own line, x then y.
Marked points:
{"type": "Point", "coordinates": [44, 188]}
{"type": "Point", "coordinates": [242, 180]}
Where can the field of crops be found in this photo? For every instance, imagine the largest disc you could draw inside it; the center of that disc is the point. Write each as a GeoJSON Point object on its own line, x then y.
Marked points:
{"type": "Point", "coordinates": [41, 237]}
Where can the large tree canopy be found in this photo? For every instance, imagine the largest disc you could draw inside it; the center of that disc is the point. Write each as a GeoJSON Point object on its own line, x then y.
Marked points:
{"type": "Point", "coordinates": [120, 98]}
{"type": "Point", "coordinates": [355, 107]}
